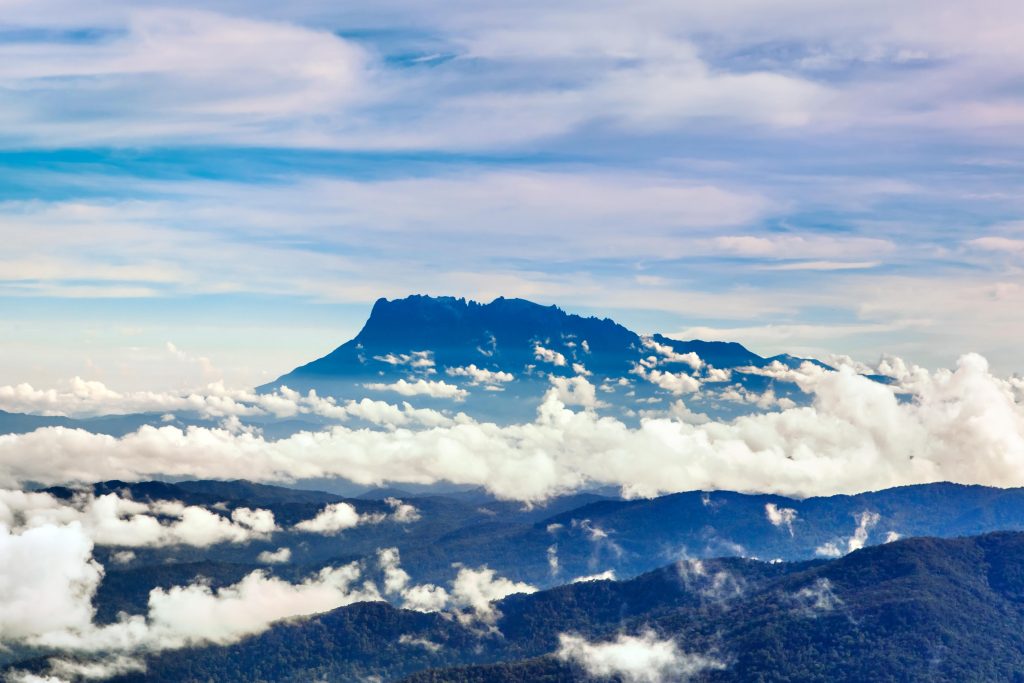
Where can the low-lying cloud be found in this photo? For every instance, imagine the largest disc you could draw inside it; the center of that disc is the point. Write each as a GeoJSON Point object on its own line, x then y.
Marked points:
{"type": "Point", "coordinates": [337, 517]}
{"type": "Point", "coordinates": [645, 658]}
{"type": "Point", "coordinates": [481, 376]}
{"type": "Point", "coordinates": [421, 387]}
{"type": "Point", "coordinates": [470, 596]}
{"type": "Point", "coordinates": [83, 399]}
{"type": "Point", "coordinates": [115, 521]}
{"type": "Point", "coordinates": [964, 425]}
{"type": "Point", "coordinates": [866, 521]}
{"type": "Point", "coordinates": [780, 517]}
{"type": "Point", "coordinates": [816, 598]}
{"type": "Point", "coordinates": [48, 578]}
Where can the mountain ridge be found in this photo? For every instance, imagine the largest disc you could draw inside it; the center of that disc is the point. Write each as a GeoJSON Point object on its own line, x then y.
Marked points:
{"type": "Point", "coordinates": [918, 609]}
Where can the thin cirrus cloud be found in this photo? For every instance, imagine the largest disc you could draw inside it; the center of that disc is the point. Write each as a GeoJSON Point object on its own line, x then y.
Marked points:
{"type": "Point", "coordinates": [642, 70]}
{"type": "Point", "coordinates": [1000, 244]}
{"type": "Point", "coordinates": [801, 246]}
{"type": "Point", "coordinates": [168, 242]}
{"type": "Point", "coordinates": [233, 79]}
{"type": "Point", "coordinates": [170, 74]}
{"type": "Point", "coordinates": [825, 265]}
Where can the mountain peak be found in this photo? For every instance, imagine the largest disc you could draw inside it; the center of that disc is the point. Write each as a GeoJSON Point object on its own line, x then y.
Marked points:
{"type": "Point", "coordinates": [429, 340]}
{"type": "Point", "coordinates": [425, 306]}
{"type": "Point", "coordinates": [446, 322]}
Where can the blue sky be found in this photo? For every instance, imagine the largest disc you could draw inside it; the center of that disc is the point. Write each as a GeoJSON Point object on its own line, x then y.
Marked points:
{"type": "Point", "coordinates": [242, 180]}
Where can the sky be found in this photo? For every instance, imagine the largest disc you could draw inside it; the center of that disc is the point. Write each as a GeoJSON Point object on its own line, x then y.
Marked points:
{"type": "Point", "coordinates": [220, 190]}
{"type": "Point", "coordinates": [196, 197]}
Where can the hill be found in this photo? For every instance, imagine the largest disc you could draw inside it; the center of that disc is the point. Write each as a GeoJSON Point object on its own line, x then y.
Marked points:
{"type": "Point", "coordinates": [920, 609]}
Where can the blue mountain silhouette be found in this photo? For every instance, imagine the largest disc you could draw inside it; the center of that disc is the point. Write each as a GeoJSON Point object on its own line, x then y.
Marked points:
{"type": "Point", "coordinates": [431, 338]}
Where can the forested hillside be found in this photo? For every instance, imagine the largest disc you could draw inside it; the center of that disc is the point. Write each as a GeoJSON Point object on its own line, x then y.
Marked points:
{"type": "Point", "coordinates": [920, 609]}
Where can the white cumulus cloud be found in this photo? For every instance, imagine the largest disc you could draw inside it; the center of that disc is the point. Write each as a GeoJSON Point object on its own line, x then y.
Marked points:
{"type": "Point", "coordinates": [480, 376]}
{"type": "Point", "coordinates": [783, 517]}
{"type": "Point", "coordinates": [333, 519]}
{"type": "Point", "coordinates": [548, 355]}
{"type": "Point", "coordinates": [279, 556]}
{"type": "Point", "coordinates": [964, 425]}
{"type": "Point", "coordinates": [421, 387]}
{"type": "Point", "coordinates": [645, 658]}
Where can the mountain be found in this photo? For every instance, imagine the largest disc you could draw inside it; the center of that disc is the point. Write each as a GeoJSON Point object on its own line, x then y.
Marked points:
{"type": "Point", "coordinates": [633, 536]}
{"type": "Point", "coordinates": [794, 614]}
{"type": "Point", "coordinates": [466, 343]}
{"type": "Point", "coordinates": [919, 609]}
{"type": "Point", "coordinates": [457, 333]}
{"type": "Point", "coordinates": [584, 534]}
{"type": "Point", "coordinates": [916, 610]}
{"type": "Point", "coordinates": [495, 362]}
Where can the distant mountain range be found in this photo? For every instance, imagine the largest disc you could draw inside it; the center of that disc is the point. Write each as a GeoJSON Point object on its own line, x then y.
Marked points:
{"type": "Point", "coordinates": [819, 589]}
{"type": "Point", "coordinates": [584, 533]}
{"type": "Point", "coordinates": [914, 610]}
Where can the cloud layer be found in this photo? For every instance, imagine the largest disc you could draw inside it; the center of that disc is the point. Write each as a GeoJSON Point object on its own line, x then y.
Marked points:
{"type": "Point", "coordinates": [115, 521]}
{"type": "Point", "coordinates": [965, 425]}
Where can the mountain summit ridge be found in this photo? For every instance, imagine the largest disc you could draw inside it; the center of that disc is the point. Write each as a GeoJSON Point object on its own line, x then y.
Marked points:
{"type": "Point", "coordinates": [505, 317]}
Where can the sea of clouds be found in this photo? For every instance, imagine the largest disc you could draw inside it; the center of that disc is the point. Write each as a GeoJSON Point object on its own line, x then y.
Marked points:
{"type": "Point", "coordinates": [857, 433]}
{"type": "Point", "coordinates": [964, 425]}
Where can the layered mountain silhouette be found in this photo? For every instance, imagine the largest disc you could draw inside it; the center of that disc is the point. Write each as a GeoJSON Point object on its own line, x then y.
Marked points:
{"type": "Point", "coordinates": [780, 608]}
{"type": "Point", "coordinates": [915, 610]}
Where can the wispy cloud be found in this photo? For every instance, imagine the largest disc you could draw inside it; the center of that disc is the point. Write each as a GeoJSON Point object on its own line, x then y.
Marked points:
{"type": "Point", "coordinates": [680, 166]}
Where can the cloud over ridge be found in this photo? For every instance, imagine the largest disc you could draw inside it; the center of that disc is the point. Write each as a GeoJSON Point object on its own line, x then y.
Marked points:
{"type": "Point", "coordinates": [965, 425]}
